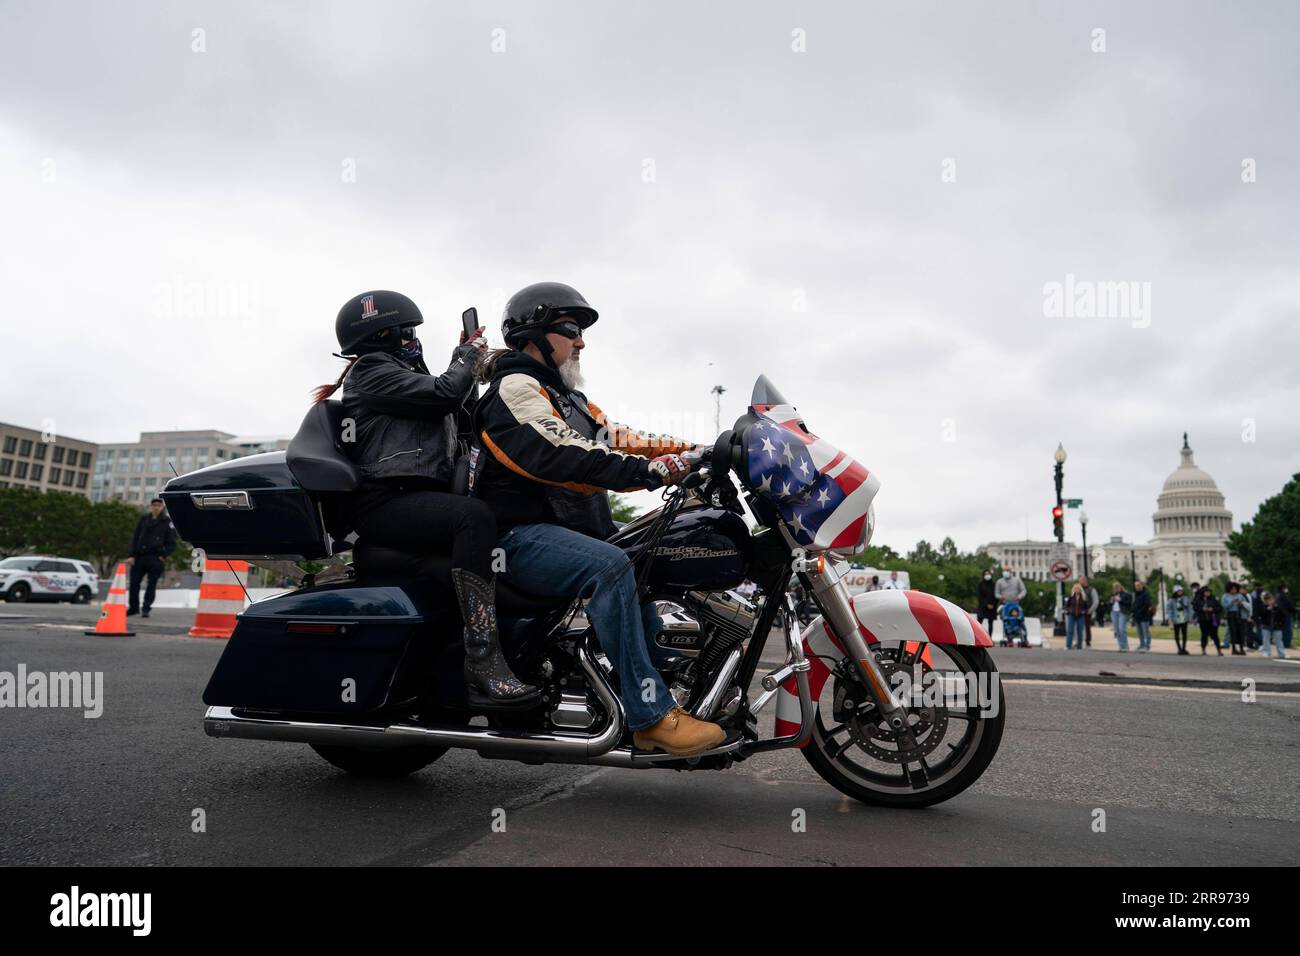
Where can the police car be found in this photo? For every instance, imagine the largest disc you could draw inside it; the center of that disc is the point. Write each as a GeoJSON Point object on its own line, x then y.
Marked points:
{"type": "Point", "coordinates": [47, 579]}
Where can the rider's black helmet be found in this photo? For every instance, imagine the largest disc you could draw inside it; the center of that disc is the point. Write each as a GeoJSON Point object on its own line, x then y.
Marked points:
{"type": "Point", "coordinates": [366, 315]}
{"type": "Point", "coordinates": [536, 306]}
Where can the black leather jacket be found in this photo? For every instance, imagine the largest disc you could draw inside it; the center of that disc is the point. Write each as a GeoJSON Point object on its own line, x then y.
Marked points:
{"type": "Point", "coordinates": [404, 417]}
{"type": "Point", "coordinates": [547, 455]}
{"type": "Point", "coordinates": [154, 537]}
{"type": "Point", "coordinates": [1142, 608]}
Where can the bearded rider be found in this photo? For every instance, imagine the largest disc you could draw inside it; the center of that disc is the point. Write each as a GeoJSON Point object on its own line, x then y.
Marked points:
{"type": "Point", "coordinates": [546, 457]}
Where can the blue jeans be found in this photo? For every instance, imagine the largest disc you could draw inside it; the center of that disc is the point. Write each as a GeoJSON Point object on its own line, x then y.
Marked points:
{"type": "Point", "coordinates": [1074, 628]}
{"type": "Point", "coordinates": [546, 559]}
{"type": "Point", "coordinates": [1268, 637]}
{"type": "Point", "coordinates": [1121, 632]}
{"type": "Point", "coordinates": [1144, 634]}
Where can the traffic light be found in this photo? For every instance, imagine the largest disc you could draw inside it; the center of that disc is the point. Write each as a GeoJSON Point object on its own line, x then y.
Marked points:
{"type": "Point", "coordinates": [1058, 523]}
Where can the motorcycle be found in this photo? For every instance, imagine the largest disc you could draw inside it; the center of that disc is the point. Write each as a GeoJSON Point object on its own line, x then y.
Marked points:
{"type": "Point", "coordinates": [891, 696]}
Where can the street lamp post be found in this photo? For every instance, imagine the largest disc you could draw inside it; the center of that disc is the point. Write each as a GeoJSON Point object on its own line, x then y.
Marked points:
{"type": "Point", "coordinates": [1161, 597]}
{"type": "Point", "coordinates": [716, 392]}
{"type": "Point", "coordinates": [1083, 524]}
{"type": "Point", "coordinates": [1058, 626]}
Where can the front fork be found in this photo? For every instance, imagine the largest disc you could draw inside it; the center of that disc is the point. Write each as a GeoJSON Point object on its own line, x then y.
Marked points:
{"type": "Point", "coordinates": [832, 597]}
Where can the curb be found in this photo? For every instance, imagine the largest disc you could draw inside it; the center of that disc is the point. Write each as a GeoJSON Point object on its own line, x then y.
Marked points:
{"type": "Point", "coordinates": [1274, 687]}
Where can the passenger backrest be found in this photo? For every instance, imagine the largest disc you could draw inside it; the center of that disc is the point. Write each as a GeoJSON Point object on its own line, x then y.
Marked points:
{"type": "Point", "coordinates": [315, 455]}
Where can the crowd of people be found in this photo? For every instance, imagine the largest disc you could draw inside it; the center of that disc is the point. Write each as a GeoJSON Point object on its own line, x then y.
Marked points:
{"type": "Point", "coordinates": [1254, 619]}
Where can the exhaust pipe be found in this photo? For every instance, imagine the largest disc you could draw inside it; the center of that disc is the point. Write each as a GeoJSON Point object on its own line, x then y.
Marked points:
{"type": "Point", "coordinates": [554, 747]}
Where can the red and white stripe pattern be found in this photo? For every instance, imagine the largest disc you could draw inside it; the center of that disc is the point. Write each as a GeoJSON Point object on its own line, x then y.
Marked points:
{"type": "Point", "coordinates": [817, 639]}
{"type": "Point", "coordinates": [221, 598]}
{"type": "Point", "coordinates": [910, 616]}
{"type": "Point", "coordinates": [893, 615]}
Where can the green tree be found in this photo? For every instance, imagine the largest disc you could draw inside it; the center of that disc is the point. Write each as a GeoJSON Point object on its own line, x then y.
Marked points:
{"type": "Point", "coordinates": [182, 559]}
{"type": "Point", "coordinates": [923, 553]}
{"type": "Point", "coordinates": [20, 510]}
{"type": "Point", "coordinates": [877, 556]}
{"type": "Point", "coordinates": [1269, 545]}
{"type": "Point", "coordinates": [107, 534]}
{"type": "Point", "coordinates": [61, 524]}
{"type": "Point", "coordinates": [621, 508]}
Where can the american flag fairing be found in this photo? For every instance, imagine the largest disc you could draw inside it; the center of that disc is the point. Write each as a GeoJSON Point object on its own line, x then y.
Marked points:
{"type": "Point", "coordinates": [822, 494]}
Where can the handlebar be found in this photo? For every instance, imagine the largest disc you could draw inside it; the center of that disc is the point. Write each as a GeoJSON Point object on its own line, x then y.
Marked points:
{"type": "Point", "coordinates": [696, 458]}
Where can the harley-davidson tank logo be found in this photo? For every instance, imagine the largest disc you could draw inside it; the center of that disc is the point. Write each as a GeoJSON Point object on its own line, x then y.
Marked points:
{"type": "Point", "coordinates": [684, 551]}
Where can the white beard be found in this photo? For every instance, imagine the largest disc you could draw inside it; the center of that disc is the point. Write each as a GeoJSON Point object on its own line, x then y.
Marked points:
{"type": "Point", "coordinates": [570, 373]}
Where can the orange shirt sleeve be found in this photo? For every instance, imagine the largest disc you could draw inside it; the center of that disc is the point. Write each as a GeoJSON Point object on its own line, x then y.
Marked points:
{"type": "Point", "coordinates": [632, 442]}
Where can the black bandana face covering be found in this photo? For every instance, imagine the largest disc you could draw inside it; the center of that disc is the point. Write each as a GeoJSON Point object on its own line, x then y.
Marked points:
{"type": "Point", "coordinates": [411, 351]}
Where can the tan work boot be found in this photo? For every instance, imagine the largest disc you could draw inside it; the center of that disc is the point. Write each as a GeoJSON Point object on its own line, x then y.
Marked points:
{"type": "Point", "coordinates": [679, 734]}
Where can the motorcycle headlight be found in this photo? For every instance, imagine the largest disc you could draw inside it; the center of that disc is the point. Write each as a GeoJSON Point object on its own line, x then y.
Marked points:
{"type": "Point", "coordinates": [871, 525]}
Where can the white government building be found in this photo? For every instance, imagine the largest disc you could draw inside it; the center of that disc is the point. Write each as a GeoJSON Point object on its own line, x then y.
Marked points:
{"type": "Point", "coordinates": [1192, 525]}
{"type": "Point", "coordinates": [1032, 560]}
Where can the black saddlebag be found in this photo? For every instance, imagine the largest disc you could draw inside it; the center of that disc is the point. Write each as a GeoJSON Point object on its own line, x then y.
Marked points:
{"type": "Point", "coordinates": [340, 650]}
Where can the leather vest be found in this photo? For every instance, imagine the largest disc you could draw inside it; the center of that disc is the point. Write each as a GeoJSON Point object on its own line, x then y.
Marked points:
{"type": "Point", "coordinates": [588, 513]}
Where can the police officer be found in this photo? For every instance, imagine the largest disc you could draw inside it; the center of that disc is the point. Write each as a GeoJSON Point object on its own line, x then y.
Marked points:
{"type": "Point", "coordinates": [405, 448]}
{"type": "Point", "coordinates": [153, 541]}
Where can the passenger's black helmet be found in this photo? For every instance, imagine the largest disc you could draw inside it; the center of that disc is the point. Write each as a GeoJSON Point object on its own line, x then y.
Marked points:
{"type": "Point", "coordinates": [536, 306]}
{"type": "Point", "coordinates": [369, 313]}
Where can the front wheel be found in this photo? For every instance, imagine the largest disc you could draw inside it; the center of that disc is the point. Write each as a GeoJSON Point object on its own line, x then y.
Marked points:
{"type": "Point", "coordinates": [955, 708]}
{"type": "Point", "coordinates": [19, 593]}
{"type": "Point", "coordinates": [807, 611]}
{"type": "Point", "coordinates": [395, 762]}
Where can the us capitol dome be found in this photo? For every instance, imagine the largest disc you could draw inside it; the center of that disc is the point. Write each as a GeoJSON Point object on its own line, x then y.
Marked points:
{"type": "Point", "coordinates": [1192, 524]}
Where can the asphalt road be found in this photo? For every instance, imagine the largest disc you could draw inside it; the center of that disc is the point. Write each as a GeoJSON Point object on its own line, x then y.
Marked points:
{"type": "Point", "coordinates": [1184, 770]}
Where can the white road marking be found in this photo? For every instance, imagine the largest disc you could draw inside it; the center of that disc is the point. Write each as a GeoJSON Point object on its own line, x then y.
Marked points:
{"type": "Point", "coordinates": [1190, 690]}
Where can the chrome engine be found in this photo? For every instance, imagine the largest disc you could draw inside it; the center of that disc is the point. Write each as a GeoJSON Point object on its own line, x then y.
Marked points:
{"type": "Point", "coordinates": [698, 650]}
{"type": "Point", "coordinates": [703, 615]}
{"type": "Point", "coordinates": [700, 640]}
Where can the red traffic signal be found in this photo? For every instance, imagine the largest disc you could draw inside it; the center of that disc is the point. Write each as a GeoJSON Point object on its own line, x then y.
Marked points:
{"type": "Point", "coordinates": [1057, 512]}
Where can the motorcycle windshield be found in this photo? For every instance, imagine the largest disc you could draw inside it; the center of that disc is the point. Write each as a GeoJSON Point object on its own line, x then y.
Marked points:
{"type": "Point", "coordinates": [824, 496]}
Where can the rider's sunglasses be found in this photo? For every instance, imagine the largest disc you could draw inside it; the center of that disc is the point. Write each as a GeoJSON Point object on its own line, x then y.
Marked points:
{"type": "Point", "coordinates": [568, 328]}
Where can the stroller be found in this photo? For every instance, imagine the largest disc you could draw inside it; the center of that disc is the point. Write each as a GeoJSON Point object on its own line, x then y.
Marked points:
{"type": "Point", "coordinates": [1014, 631]}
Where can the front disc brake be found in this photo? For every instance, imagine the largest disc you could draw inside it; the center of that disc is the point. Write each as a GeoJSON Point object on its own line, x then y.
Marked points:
{"type": "Point", "coordinates": [868, 730]}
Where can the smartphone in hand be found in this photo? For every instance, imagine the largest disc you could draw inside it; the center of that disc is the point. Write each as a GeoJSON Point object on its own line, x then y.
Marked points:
{"type": "Point", "coordinates": [469, 321]}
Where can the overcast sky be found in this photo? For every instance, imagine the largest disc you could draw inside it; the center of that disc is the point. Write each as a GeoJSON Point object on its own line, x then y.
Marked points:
{"type": "Point", "coordinates": [863, 201]}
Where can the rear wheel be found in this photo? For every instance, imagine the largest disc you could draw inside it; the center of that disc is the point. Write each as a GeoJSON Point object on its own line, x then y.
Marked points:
{"type": "Point", "coordinates": [389, 762]}
{"type": "Point", "coordinates": [18, 593]}
{"type": "Point", "coordinates": [82, 596]}
{"type": "Point", "coordinates": [955, 734]}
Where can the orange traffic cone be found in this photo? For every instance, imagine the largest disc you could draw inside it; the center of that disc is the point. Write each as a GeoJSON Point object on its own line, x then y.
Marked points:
{"type": "Point", "coordinates": [221, 598]}
{"type": "Point", "coordinates": [112, 613]}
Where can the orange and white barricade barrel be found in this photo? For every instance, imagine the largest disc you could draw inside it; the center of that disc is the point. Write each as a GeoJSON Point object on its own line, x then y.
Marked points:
{"type": "Point", "coordinates": [221, 598]}
{"type": "Point", "coordinates": [112, 613]}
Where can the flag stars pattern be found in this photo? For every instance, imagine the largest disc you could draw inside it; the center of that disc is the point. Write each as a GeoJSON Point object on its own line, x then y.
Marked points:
{"type": "Point", "coordinates": [781, 469]}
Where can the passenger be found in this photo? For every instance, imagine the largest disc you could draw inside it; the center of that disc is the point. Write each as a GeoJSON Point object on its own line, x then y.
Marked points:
{"type": "Point", "coordinates": [405, 447]}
